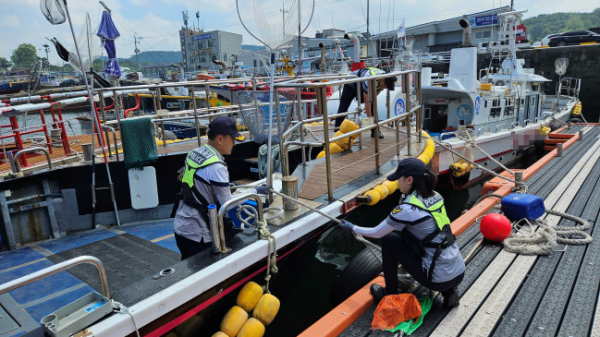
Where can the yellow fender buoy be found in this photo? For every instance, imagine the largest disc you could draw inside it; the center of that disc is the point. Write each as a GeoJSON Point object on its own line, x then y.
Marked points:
{"type": "Point", "coordinates": [349, 126]}
{"type": "Point", "coordinates": [382, 190]}
{"type": "Point", "coordinates": [160, 143]}
{"type": "Point", "coordinates": [460, 168]}
{"type": "Point", "coordinates": [390, 185]}
{"type": "Point", "coordinates": [219, 334]}
{"type": "Point", "coordinates": [334, 148]}
{"type": "Point", "coordinates": [266, 309]}
{"type": "Point", "coordinates": [429, 150]}
{"type": "Point", "coordinates": [321, 154]}
{"type": "Point", "coordinates": [374, 196]}
{"type": "Point", "coordinates": [544, 131]}
{"type": "Point", "coordinates": [252, 328]}
{"type": "Point", "coordinates": [249, 296]}
{"type": "Point", "coordinates": [234, 320]}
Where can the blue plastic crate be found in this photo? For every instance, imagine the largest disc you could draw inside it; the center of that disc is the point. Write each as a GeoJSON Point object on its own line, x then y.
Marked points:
{"type": "Point", "coordinates": [517, 206]}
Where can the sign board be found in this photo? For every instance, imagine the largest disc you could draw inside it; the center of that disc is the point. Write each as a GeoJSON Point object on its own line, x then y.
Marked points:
{"type": "Point", "coordinates": [202, 37]}
{"type": "Point", "coordinates": [486, 20]}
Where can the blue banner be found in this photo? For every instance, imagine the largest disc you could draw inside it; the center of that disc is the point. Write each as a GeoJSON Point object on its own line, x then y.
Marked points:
{"type": "Point", "coordinates": [202, 37]}
{"type": "Point", "coordinates": [483, 20]}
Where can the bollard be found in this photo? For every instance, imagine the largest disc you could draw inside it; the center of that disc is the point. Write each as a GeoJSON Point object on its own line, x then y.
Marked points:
{"type": "Point", "coordinates": [214, 228]}
{"type": "Point", "coordinates": [88, 152]}
{"type": "Point", "coordinates": [569, 124]}
{"type": "Point", "coordinates": [559, 150]}
{"type": "Point", "coordinates": [519, 178]}
{"type": "Point", "coordinates": [55, 137]}
{"type": "Point", "coordinates": [290, 188]}
{"type": "Point", "coordinates": [580, 134]}
{"type": "Point", "coordinates": [14, 166]}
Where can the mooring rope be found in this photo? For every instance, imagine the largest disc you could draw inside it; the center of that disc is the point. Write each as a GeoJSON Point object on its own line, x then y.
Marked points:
{"type": "Point", "coordinates": [542, 242]}
{"type": "Point", "coordinates": [370, 245]}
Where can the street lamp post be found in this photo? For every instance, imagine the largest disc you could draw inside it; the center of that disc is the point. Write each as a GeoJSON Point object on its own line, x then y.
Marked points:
{"type": "Point", "coordinates": [47, 49]}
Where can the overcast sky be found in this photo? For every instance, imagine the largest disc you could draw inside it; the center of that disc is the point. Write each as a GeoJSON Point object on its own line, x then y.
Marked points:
{"type": "Point", "coordinates": [158, 21]}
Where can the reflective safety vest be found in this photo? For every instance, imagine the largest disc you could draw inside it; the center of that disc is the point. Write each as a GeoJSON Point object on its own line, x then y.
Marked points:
{"type": "Point", "coordinates": [198, 158]}
{"type": "Point", "coordinates": [435, 206]}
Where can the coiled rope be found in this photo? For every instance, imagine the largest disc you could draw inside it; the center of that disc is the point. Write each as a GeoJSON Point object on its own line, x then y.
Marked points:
{"type": "Point", "coordinates": [271, 251]}
{"type": "Point", "coordinates": [542, 242]}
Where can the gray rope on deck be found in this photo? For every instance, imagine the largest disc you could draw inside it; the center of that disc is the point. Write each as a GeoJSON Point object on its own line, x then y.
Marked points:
{"type": "Point", "coordinates": [543, 241]}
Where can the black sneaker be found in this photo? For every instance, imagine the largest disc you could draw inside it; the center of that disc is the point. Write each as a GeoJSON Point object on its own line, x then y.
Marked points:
{"type": "Point", "coordinates": [373, 134]}
{"type": "Point", "coordinates": [405, 283]}
{"type": "Point", "coordinates": [451, 298]}
{"type": "Point", "coordinates": [378, 292]}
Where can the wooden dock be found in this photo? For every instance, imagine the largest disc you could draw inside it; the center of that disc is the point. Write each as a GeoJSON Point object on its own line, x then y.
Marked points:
{"type": "Point", "coordinates": [508, 294]}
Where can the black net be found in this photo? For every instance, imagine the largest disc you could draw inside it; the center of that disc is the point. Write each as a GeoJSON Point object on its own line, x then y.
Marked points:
{"type": "Point", "coordinates": [54, 11]}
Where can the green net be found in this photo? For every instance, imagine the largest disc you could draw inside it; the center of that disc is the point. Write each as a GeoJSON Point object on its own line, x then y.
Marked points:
{"type": "Point", "coordinates": [139, 146]}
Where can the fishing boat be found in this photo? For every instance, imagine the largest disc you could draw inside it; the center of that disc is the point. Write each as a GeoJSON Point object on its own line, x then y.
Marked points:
{"type": "Point", "coordinates": [497, 112]}
{"type": "Point", "coordinates": [54, 224]}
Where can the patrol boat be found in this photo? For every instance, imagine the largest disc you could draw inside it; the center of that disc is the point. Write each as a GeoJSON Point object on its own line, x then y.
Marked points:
{"type": "Point", "coordinates": [89, 248]}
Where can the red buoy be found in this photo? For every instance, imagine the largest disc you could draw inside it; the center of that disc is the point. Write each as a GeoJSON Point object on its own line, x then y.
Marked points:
{"type": "Point", "coordinates": [495, 227]}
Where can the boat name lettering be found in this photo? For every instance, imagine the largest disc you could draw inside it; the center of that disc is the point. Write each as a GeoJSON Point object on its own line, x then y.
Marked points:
{"type": "Point", "coordinates": [202, 37]}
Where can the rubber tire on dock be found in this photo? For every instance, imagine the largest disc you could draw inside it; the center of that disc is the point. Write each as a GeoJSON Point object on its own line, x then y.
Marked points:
{"type": "Point", "coordinates": [576, 120]}
{"type": "Point", "coordinates": [363, 268]}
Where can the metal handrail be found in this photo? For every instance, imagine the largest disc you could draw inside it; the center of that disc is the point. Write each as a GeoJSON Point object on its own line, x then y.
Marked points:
{"type": "Point", "coordinates": [40, 274]}
{"type": "Point", "coordinates": [17, 167]}
{"type": "Point", "coordinates": [218, 235]}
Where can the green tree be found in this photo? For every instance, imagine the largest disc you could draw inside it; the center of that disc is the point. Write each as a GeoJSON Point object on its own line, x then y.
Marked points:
{"type": "Point", "coordinates": [4, 63]}
{"type": "Point", "coordinates": [24, 56]}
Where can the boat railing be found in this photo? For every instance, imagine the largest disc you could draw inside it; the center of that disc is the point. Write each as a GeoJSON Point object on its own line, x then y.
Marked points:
{"type": "Point", "coordinates": [40, 274]}
{"type": "Point", "coordinates": [410, 79]}
{"type": "Point", "coordinates": [514, 125]}
{"type": "Point", "coordinates": [479, 133]}
{"type": "Point", "coordinates": [500, 127]}
{"type": "Point", "coordinates": [15, 162]}
{"type": "Point", "coordinates": [217, 222]}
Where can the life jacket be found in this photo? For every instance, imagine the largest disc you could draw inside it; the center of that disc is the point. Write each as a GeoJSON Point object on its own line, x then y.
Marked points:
{"type": "Point", "coordinates": [435, 206]}
{"type": "Point", "coordinates": [361, 72]}
{"type": "Point", "coordinates": [198, 158]}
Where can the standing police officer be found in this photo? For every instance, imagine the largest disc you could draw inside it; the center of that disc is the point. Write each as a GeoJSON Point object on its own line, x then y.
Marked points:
{"type": "Point", "coordinates": [205, 181]}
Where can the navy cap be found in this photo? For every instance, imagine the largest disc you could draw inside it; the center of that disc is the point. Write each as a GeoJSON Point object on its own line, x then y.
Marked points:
{"type": "Point", "coordinates": [390, 82]}
{"type": "Point", "coordinates": [225, 126]}
{"type": "Point", "coordinates": [408, 167]}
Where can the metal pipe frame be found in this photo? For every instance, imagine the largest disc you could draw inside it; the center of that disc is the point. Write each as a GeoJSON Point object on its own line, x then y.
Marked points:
{"type": "Point", "coordinates": [40, 274]}
{"type": "Point", "coordinates": [220, 234]}
{"type": "Point", "coordinates": [31, 149]}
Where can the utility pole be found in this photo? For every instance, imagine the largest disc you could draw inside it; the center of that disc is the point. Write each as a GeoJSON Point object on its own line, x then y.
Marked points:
{"type": "Point", "coordinates": [47, 49]}
{"type": "Point", "coordinates": [299, 68]}
{"type": "Point", "coordinates": [368, 34]}
{"type": "Point", "coordinates": [283, 11]}
{"type": "Point", "coordinates": [137, 52]}
{"type": "Point", "coordinates": [198, 19]}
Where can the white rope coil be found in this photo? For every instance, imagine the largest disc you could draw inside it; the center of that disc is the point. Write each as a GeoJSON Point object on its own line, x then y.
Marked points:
{"type": "Point", "coordinates": [543, 241]}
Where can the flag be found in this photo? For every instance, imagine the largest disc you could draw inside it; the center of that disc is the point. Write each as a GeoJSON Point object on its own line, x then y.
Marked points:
{"type": "Point", "coordinates": [401, 30]}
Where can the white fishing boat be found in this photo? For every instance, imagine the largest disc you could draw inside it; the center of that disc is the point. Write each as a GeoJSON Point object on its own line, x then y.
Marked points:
{"type": "Point", "coordinates": [497, 112]}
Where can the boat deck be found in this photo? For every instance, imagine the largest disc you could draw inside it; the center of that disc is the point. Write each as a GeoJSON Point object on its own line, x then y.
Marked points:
{"type": "Point", "coordinates": [508, 294]}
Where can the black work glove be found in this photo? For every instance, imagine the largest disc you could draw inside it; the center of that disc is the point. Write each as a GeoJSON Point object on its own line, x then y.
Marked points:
{"type": "Point", "coordinates": [347, 226]}
{"type": "Point", "coordinates": [262, 190]}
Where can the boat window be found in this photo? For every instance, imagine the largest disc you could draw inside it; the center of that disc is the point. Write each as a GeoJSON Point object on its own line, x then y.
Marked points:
{"type": "Point", "coordinates": [427, 113]}
{"type": "Point", "coordinates": [496, 110]}
{"type": "Point", "coordinates": [535, 87]}
{"type": "Point", "coordinates": [485, 103]}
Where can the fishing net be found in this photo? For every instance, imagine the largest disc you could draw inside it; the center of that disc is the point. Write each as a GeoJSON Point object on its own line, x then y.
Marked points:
{"type": "Point", "coordinates": [275, 22]}
{"type": "Point", "coordinates": [560, 66]}
{"type": "Point", "coordinates": [54, 11]}
{"type": "Point", "coordinates": [254, 108]}
{"type": "Point", "coordinates": [139, 145]}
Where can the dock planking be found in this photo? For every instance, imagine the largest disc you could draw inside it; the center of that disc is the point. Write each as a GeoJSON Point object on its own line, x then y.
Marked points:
{"type": "Point", "coordinates": [507, 294]}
